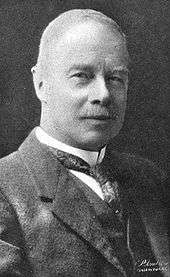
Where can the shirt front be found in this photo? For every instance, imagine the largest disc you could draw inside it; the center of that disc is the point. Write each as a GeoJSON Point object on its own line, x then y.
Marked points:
{"type": "Point", "coordinates": [91, 157]}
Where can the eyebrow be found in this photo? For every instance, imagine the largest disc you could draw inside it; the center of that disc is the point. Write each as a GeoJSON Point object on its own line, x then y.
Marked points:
{"type": "Point", "coordinates": [86, 67]}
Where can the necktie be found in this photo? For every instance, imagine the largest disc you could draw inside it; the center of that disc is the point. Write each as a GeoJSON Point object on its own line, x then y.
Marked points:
{"type": "Point", "coordinates": [110, 189]}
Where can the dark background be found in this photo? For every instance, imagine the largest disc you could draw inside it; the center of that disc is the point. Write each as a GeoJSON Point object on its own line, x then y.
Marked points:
{"type": "Point", "coordinates": [146, 24]}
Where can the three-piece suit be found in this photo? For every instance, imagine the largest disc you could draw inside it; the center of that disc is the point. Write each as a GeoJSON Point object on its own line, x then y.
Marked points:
{"type": "Point", "coordinates": [53, 225]}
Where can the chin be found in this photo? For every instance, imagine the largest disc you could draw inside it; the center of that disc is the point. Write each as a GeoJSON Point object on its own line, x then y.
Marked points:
{"type": "Point", "coordinates": [94, 140]}
{"type": "Point", "coordinates": [94, 143]}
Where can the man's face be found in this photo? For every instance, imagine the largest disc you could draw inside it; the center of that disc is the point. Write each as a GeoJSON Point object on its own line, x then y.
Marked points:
{"type": "Point", "coordinates": [87, 86]}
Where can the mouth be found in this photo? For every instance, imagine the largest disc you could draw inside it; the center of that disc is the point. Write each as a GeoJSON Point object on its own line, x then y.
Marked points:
{"type": "Point", "coordinates": [101, 117]}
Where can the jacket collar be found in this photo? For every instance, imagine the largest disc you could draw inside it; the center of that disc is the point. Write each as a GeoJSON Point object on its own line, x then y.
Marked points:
{"type": "Point", "coordinates": [41, 164]}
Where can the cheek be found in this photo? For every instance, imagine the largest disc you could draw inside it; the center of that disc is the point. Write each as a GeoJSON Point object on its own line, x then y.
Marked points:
{"type": "Point", "coordinates": [120, 98]}
{"type": "Point", "coordinates": [65, 107]}
{"type": "Point", "coordinates": [58, 95]}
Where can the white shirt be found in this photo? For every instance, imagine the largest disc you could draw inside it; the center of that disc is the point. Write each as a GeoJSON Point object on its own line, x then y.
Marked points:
{"type": "Point", "coordinates": [91, 157]}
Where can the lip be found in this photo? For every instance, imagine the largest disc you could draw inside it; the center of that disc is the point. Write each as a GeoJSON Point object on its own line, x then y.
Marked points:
{"type": "Point", "coordinates": [100, 118]}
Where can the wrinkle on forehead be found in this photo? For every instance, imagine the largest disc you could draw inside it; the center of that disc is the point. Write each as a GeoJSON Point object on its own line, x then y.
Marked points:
{"type": "Point", "coordinates": [94, 44]}
{"type": "Point", "coordinates": [60, 25]}
{"type": "Point", "coordinates": [83, 32]}
{"type": "Point", "coordinates": [89, 33]}
{"type": "Point", "coordinates": [88, 54]}
{"type": "Point", "coordinates": [88, 37]}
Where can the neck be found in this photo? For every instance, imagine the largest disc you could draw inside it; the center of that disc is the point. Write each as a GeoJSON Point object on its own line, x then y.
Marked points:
{"type": "Point", "coordinates": [91, 157]}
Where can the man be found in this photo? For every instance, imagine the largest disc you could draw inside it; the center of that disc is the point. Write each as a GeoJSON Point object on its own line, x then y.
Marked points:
{"type": "Point", "coordinates": [68, 208]}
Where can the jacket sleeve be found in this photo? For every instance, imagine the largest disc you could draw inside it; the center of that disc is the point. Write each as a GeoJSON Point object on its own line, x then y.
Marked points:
{"type": "Point", "coordinates": [12, 257]}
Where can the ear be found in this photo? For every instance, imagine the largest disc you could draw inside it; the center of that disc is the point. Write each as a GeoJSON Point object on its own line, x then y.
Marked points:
{"type": "Point", "coordinates": [39, 84]}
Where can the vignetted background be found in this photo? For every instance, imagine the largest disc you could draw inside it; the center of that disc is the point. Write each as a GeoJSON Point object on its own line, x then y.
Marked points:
{"type": "Point", "coordinates": [146, 24]}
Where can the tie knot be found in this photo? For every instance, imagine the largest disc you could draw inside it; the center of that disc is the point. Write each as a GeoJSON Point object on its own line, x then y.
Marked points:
{"type": "Point", "coordinates": [110, 189]}
{"type": "Point", "coordinates": [71, 161]}
{"type": "Point", "coordinates": [96, 173]}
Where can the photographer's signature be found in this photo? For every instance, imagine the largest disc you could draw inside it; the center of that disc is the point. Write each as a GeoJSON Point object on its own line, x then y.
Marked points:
{"type": "Point", "coordinates": [148, 265]}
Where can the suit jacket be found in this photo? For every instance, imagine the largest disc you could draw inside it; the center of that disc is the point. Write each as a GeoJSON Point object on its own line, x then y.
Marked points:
{"type": "Point", "coordinates": [49, 220]}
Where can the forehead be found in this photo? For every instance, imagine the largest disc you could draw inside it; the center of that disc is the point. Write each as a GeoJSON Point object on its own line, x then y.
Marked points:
{"type": "Point", "coordinates": [90, 43]}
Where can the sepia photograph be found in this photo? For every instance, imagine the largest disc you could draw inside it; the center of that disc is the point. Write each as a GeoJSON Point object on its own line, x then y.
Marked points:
{"type": "Point", "coordinates": [84, 138]}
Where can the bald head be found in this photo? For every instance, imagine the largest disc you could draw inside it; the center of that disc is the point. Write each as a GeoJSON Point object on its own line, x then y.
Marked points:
{"type": "Point", "coordinates": [63, 23]}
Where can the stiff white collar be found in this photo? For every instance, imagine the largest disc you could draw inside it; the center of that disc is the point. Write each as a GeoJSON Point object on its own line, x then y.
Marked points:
{"type": "Point", "coordinates": [91, 157]}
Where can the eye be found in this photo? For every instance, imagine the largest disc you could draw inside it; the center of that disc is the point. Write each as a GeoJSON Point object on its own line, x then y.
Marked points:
{"type": "Point", "coordinates": [82, 78]}
{"type": "Point", "coordinates": [115, 79]}
{"type": "Point", "coordinates": [81, 75]}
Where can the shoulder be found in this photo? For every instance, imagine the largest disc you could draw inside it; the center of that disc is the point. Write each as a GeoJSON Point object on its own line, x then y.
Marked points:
{"type": "Point", "coordinates": [143, 168]}
{"type": "Point", "coordinates": [10, 166]}
{"type": "Point", "coordinates": [140, 176]}
{"type": "Point", "coordinates": [14, 177]}
{"type": "Point", "coordinates": [135, 167]}
{"type": "Point", "coordinates": [10, 169]}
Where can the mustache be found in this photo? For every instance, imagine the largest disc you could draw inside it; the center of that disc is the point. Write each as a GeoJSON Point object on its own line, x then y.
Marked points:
{"type": "Point", "coordinates": [99, 112]}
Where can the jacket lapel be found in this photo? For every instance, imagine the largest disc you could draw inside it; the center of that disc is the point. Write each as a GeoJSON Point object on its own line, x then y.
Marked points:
{"type": "Point", "coordinates": [144, 198]}
{"type": "Point", "coordinates": [74, 208]}
{"type": "Point", "coordinates": [65, 196]}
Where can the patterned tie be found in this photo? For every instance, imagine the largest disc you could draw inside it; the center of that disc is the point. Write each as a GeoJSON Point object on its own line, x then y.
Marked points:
{"type": "Point", "coordinates": [110, 189]}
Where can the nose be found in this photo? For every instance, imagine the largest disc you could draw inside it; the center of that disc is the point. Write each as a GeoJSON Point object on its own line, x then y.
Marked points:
{"type": "Point", "coordinates": [100, 93]}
